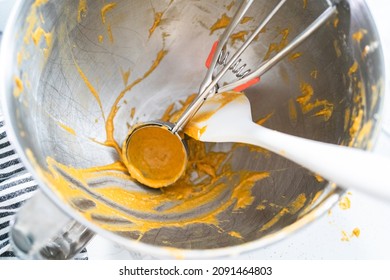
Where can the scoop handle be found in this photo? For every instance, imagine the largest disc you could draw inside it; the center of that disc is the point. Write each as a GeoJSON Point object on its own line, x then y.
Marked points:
{"type": "Point", "coordinates": [347, 167]}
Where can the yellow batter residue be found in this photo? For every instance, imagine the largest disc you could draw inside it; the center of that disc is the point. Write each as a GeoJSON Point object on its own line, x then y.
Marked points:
{"type": "Point", "coordinates": [230, 6]}
{"type": "Point", "coordinates": [106, 8]}
{"type": "Point", "coordinates": [39, 3]}
{"type": "Point", "coordinates": [347, 237]}
{"type": "Point", "coordinates": [82, 10]}
{"type": "Point", "coordinates": [155, 156]}
{"type": "Point", "coordinates": [109, 32]}
{"type": "Point", "coordinates": [67, 128]}
{"type": "Point", "coordinates": [195, 127]}
{"type": "Point", "coordinates": [18, 89]}
{"type": "Point", "coordinates": [221, 23]}
{"type": "Point", "coordinates": [103, 14]}
{"type": "Point", "coordinates": [110, 141]}
{"type": "Point", "coordinates": [125, 76]}
{"type": "Point", "coordinates": [345, 203]}
{"type": "Point", "coordinates": [310, 205]}
{"type": "Point", "coordinates": [319, 178]}
{"type": "Point", "coordinates": [292, 112]}
{"type": "Point", "coordinates": [277, 47]}
{"type": "Point", "coordinates": [157, 20]}
{"type": "Point", "coordinates": [337, 48]}
{"type": "Point", "coordinates": [344, 236]}
{"type": "Point", "coordinates": [356, 232]}
{"type": "Point", "coordinates": [314, 74]}
{"type": "Point", "coordinates": [37, 35]}
{"type": "Point", "coordinates": [264, 119]}
{"type": "Point", "coordinates": [91, 88]}
{"type": "Point", "coordinates": [235, 234]}
{"type": "Point", "coordinates": [132, 112]}
{"type": "Point", "coordinates": [245, 20]}
{"type": "Point", "coordinates": [336, 22]}
{"type": "Point", "coordinates": [34, 32]}
{"type": "Point", "coordinates": [292, 209]}
{"type": "Point", "coordinates": [357, 122]}
{"type": "Point", "coordinates": [239, 36]}
{"type": "Point", "coordinates": [359, 35]}
{"type": "Point", "coordinates": [308, 105]}
{"type": "Point", "coordinates": [353, 69]}
{"type": "Point", "coordinates": [295, 56]}
{"type": "Point", "coordinates": [31, 22]}
{"type": "Point", "coordinates": [304, 4]}
{"type": "Point", "coordinates": [145, 211]}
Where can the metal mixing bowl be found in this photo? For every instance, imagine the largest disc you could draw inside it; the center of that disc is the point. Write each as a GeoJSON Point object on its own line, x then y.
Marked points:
{"type": "Point", "coordinates": [65, 63]}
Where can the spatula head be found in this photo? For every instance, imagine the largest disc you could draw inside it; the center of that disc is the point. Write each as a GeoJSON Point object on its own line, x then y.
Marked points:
{"type": "Point", "coordinates": [218, 117]}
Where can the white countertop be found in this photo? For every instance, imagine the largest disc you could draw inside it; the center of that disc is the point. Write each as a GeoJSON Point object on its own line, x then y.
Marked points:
{"type": "Point", "coordinates": [321, 239]}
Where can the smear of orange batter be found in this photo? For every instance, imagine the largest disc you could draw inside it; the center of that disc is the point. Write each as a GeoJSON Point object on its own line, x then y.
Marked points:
{"type": "Point", "coordinates": [38, 34]}
{"type": "Point", "coordinates": [239, 36]}
{"type": "Point", "coordinates": [337, 48]}
{"type": "Point", "coordinates": [292, 112]}
{"type": "Point", "coordinates": [319, 178]}
{"type": "Point", "coordinates": [356, 232]}
{"type": "Point", "coordinates": [67, 128]}
{"type": "Point", "coordinates": [264, 119]}
{"type": "Point", "coordinates": [292, 209]}
{"type": "Point", "coordinates": [106, 8]}
{"type": "Point", "coordinates": [336, 22]}
{"type": "Point", "coordinates": [307, 105]}
{"type": "Point", "coordinates": [245, 20]}
{"type": "Point", "coordinates": [359, 35]}
{"type": "Point", "coordinates": [157, 20]}
{"type": "Point", "coordinates": [353, 69]}
{"type": "Point", "coordinates": [314, 74]}
{"type": "Point", "coordinates": [347, 237]}
{"type": "Point", "coordinates": [194, 128]}
{"type": "Point", "coordinates": [110, 140]}
{"type": "Point", "coordinates": [125, 76]}
{"type": "Point", "coordinates": [18, 89]}
{"type": "Point", "coordinates": [277, 47]}
{"type": "Point", "coordinates": [221, 23]}
{"type": "Point", "coordinates": [229, 6]}
{"type": "Point", "coordinates": [345, 203]}
{"type": "Point", "coordinates": [91, 88]}
{"type": "Point", "coordinates": [235, 234]}
{"type": "Point", "coordinates": [82, 10]}
{"type": "Point", "coordinates": [132, 112]}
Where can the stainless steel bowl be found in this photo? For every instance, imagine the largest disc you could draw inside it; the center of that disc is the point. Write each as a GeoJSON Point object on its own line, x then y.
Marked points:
{"type": "Point", "coordinates": [66, 64]}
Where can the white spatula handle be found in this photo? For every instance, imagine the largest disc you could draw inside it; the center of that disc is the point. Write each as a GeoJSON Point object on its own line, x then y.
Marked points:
{"type": "Point", "coordinates": [347, 167]}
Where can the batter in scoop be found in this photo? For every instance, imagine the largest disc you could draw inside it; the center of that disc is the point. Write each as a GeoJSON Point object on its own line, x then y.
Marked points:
{"type": "Point", "coordinates": [155, 156]}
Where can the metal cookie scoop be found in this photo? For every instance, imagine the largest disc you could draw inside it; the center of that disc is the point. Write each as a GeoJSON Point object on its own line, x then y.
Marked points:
{"type": "Point", "coordinates": [220, 57]}
{"type": "Point", "coordinates": [154, 155]}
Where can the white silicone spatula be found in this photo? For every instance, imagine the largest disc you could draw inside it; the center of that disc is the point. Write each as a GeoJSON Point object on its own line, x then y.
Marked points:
{"type": "Point", "coordinates": [227, 117]}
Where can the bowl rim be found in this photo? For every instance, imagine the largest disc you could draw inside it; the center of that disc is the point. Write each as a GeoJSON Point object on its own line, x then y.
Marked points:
{"type": "Point", "coordinates": [327, 202]}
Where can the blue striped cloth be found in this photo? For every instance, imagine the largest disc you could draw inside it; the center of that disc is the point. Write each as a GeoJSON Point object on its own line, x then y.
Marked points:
{"type": "Point", "coordinates": [16, 186]}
